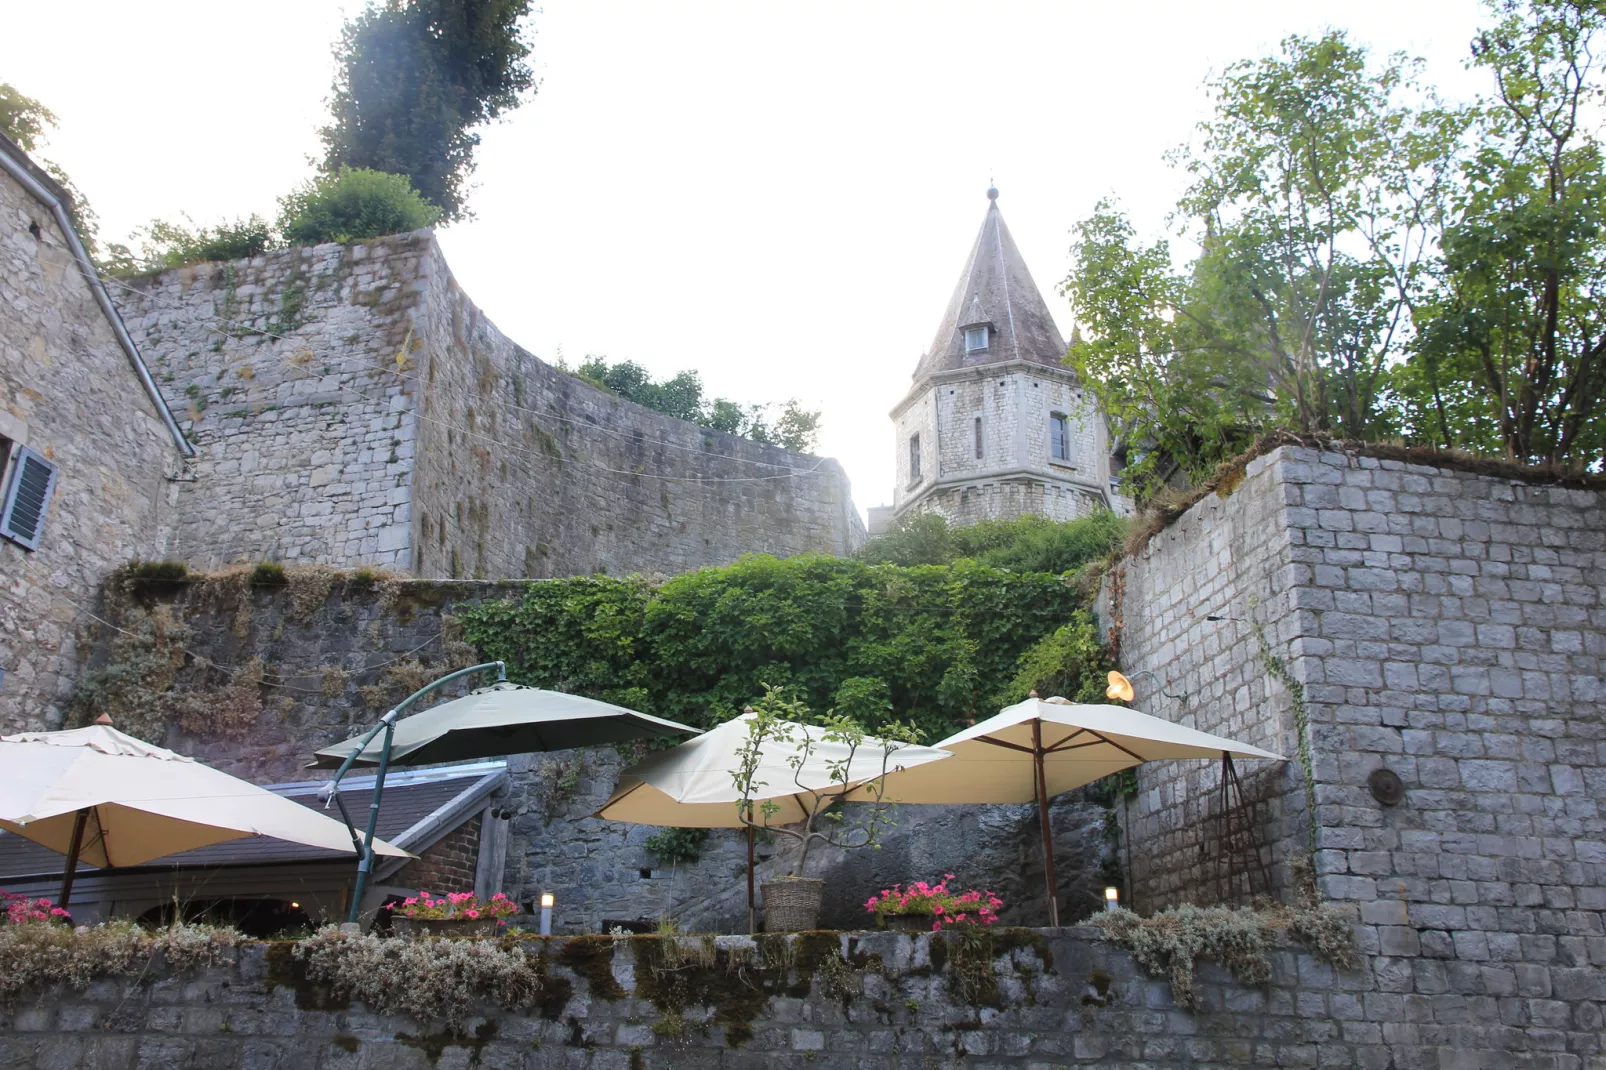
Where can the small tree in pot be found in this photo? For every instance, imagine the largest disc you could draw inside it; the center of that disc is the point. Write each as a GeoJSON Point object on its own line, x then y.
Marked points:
{"type": "Point", "coordinates": [827, 760]}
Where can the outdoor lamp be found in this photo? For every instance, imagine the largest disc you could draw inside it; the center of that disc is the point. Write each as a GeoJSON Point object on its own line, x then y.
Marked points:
{"type": "Point", "coordinates": [547, 899]}
{"type": "Point", "coordinates": [1112, 898]}
{"type": "Point", "coordinates": [1120, 688]}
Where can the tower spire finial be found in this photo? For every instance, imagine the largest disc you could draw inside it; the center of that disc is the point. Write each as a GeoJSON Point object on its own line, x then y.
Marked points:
{"type": "Point", "coordinates": [992, 190]}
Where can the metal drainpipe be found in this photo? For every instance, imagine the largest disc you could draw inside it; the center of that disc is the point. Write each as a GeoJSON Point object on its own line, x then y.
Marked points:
{"type": "Point", "coordinates": [102, 298]}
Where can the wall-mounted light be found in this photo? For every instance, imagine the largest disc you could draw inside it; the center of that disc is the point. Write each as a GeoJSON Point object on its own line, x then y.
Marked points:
{"type": "Point", "coordinates": [1120, 688]}
{"type": "Point", "coordinates": [295, 906]}
{"type": "Point", "coordinates": [1112, 898]}
{"type": "Point", "coordinates": [547, 899]}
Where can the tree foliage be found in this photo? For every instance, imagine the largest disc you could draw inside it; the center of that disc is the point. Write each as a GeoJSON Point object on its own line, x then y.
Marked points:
{"type": "Point", "coordinates": [415, 80]}
{"type": "Point", "coordinates": [352, 204]}
{"type": "Point", "coordinates": [1513, 350]}
{"type": "Point", "coordinates": [935, 645]}
{"type": "Point", "coordinates": [1026, 544]}
{"type": "Point", "coordinates": [28, 122]}
{"type": "Point", "coordinates": [1370, 262]}
{"type": "Point", "coordinates": [681, 396]}
{"type": "Point", "coordinates": [169, 245]}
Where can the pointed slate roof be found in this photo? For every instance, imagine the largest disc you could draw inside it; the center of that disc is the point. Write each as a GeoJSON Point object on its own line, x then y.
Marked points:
{"type": "Point", "coordinates": [994, 288]}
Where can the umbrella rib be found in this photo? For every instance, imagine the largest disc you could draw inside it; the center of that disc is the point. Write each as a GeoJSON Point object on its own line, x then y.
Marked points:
{"type": "Point", "coordinates": [1130, 753]}
{"type": "Point", "coordinates": [1002, 743]}
{"type": "Point", "coordinates": [1052, 747]}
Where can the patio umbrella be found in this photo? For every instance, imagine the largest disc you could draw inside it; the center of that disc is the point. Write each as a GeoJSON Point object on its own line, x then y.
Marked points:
{"type": "Point", "coordinates": [1041, 748]}
{"type": "Point", "coordinates": [112, 800]}
{"type": "Point", "coordinates": [502, 719]}
{"type": "Point", "coordinates": [692, 785]}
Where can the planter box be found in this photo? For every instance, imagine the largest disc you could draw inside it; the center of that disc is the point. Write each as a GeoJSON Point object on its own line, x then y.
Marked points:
{"type": "Point", "coordinates": [792, 905]}
{"type": "Point", "coordinates": [908, 923]}
{"type": "Point", "coordinates": [402, 926]}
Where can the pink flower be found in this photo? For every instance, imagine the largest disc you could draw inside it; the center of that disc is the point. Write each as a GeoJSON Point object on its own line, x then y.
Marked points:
{"type": "Point", "coordinates": [472, 913]}
{"type": "Point", "coordinates": [936, 925]}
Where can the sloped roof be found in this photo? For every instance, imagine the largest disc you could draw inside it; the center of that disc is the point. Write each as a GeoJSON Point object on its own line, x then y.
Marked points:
{"type": "Point", "coordinates": [412, 798]}
{"type": "Point", "coordinates": [995, 287]}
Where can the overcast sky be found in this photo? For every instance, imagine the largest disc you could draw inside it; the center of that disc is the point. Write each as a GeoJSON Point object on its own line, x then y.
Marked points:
{"type": "Point", "coordinates": [779, 196]}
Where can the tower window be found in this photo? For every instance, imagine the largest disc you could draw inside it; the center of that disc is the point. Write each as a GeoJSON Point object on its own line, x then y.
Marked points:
{"type": "Point", "coordinates": [975, 338]}
{"type": "Point", "coordinates": [914, 458]}
{"type": "Point", "coordinates": [1059, 436]}
{"type": "Point", "coordinates": [978, 438]}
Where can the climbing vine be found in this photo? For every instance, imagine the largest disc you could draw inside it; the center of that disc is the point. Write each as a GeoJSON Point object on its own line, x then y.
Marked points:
{"type": "Point", "coordinates": [940, 645]}
{"type": "Point", "coordinates": [1278, 669]}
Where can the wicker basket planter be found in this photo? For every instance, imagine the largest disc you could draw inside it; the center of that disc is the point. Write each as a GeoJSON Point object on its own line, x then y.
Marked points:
{"type": "Point", "coordinates": [908, 923]}
{"type": "Point", "coordinates": [443, 926]}
{"type": "Point", "coordinates": [792, 905]}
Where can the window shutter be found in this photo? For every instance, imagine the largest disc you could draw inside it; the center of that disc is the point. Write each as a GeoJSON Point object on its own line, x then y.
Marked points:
{"type": "Point", "coordinates": [22, 518]}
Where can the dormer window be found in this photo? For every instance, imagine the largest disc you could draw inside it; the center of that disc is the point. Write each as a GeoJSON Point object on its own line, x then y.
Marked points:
{"type": "Point", "coordinates": [976, 338]}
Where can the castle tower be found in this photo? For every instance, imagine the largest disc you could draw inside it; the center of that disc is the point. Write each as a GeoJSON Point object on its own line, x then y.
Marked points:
{"type": "Point", "coordinates": [994, 426]}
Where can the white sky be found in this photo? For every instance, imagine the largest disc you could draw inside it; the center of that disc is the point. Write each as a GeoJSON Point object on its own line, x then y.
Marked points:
{"type": "Point", "coordinates": [778, 195]}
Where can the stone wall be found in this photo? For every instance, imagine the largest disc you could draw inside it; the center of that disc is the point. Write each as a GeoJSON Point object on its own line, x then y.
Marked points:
{"type": "Point", "coordinates": [449, 866]}
{"type": "Point", "coordinates": [1447, 628]}
{"type": "Point", "coordinates": [68, 392]}
{"type": "Point", "coordinates": [353, 407]}
{"type": "Point", "coordinates": [1057, 998]}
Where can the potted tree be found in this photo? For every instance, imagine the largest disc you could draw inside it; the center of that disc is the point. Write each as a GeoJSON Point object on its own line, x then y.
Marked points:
{"type": "Point", "coordinates": [824, 763]}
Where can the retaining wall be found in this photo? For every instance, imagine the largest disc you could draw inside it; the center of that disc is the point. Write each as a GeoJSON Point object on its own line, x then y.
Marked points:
{"type": "Point", "coordinates": [1443, 627]}
{"type": "Point", "coordinates": [1055, 998]}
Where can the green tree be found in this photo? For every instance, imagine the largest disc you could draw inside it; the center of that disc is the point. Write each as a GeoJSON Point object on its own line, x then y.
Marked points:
{"type": "Point", "coordinates": [1512, 355]}
{"type": "Point", "coordinates": [415, 80]}
{"type": "Point", "coordinates": [27, 122]}
{"type": "Point", "coordinates": [681, 396]}
{"type": "Point", "coordinates": [1318, 187]}
{"type": "Point", "coordinates": [351, 205]}
{"type": "Point", "coordinates": [1026, 544]}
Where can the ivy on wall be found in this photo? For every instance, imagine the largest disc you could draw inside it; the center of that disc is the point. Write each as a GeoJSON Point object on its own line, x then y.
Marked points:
{"type": "Point", "coordinates": [941, 645]}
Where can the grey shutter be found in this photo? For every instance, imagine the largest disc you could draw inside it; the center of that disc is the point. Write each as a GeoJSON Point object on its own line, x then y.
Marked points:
{"type": "Point", "coordinates": [22, 517]}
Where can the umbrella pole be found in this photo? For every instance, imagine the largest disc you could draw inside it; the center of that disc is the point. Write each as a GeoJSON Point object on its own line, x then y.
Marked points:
{"type": "Point", "coordinates": [752, 914]}
{"type": "Point", "coordinates": [78, 824]}
{"type": "Point", "coordinates": [1042, 819]}
{"type": "Point", "coordinates": [366, 862]}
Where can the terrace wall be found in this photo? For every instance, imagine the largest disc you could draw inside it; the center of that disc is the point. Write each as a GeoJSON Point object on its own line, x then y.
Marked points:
{"type": "Point", "coordinates": [1062, 998]}
{"type": "Point", "coordinates": [1444, 626]}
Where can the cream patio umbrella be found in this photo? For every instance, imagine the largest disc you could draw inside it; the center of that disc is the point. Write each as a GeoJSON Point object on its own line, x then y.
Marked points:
{"type": "Point", "coordinates": [693, 785]}
{"type": "Point", "coordinates": [112, 800]}
{"type": "Point", "coordinates": [1041, 748]}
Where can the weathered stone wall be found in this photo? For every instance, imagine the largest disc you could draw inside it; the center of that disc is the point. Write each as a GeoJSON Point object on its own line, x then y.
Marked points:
{"type": "Point", "coordinates": [288, 368]}
{"type": "Point", "coordinates": [1062, 998]}
{"type": "Point", "coordinates": [1444, 626]}
{"type": "Point", "coordinates": [525, 470]}
{"type": "Point", "coordinates": [352, 407]}
{"type": "Point", "coordinates": [67, 391]}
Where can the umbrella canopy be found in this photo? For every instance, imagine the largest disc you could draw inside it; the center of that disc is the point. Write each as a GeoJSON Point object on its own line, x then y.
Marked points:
{"type": "Point", "coordinates": [1041, 748]}
{"type": "Point", "coordinates": [995, 761]}
{"type": "Point", "coordinates": [503, 719]}
{"type": "Point", "coordinates": [127, 802]}
{"type": "Point", "coordinates": [692, 785]}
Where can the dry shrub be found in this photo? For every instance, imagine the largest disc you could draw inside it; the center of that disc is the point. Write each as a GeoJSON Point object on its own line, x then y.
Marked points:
{"type": "Point", "coordinates": [230, 591]}
{"type": "Point", "coordinates": [422, 978]}
{"type": "Point", "coordinates": [309, 591]}
{"type": "Point", "coordinates": [458, 654]}
{"type": "Point", "coordinates": [1169, 943]}
{"type": "Point", "coordinates": [37, 955]}
{"type": "Point", "coordinates": [227, 712]}
{"type": "Point", "coordinates": [333, 681]}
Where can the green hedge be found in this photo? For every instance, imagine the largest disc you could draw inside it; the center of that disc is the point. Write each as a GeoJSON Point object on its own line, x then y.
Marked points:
{"type": "Point", "coordinates": [936, 644]}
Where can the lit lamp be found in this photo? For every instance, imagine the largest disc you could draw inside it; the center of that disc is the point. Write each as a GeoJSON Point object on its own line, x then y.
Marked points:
{"type": "Point", "coordinates": [1112, 898]}
{"type": "Point", "coordinates": [1120, 689]}
{"type": "Point", "coordinates": [547, 899]}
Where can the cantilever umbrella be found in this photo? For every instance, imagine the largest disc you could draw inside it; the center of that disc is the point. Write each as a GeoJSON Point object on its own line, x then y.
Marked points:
{"type": "Point", "coordinates": [112, 800]}
{"type": "Point", "coordinates": [1040, 748]}
{"type": "Point", "coordinates": [503, 719]}
{"type": "Point", "coordinates": [692, 785]}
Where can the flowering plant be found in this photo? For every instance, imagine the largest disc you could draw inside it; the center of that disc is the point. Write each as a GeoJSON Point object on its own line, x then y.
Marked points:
{"type": "Point", "coordinates": [458, 905]}
{"type": "Point", "coordinates": [21, 908]}
{"type": "Point", "coordinates": [947, 909]}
